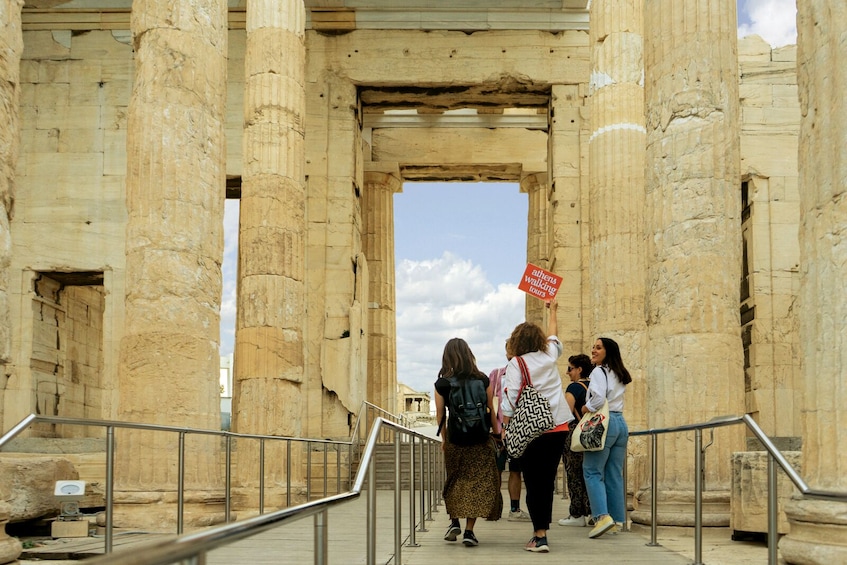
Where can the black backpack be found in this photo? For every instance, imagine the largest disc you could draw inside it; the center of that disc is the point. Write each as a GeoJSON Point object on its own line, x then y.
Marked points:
{"type": "Point", "coordinates": [468, 422]}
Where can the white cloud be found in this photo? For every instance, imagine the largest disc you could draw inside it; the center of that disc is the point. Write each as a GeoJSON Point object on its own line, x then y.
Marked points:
{"type": "Point", "coordinates": [448, 297]}
{"type": "Point", "coordinates": [775, 21]}
{"type": "Point", "coordinates": [230, 270]}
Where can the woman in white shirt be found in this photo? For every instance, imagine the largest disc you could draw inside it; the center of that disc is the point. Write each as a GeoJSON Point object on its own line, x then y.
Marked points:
{"type": "Point", "coordinates": [540, 461]}
{"type": "Point", "coordinates": [603, 470]}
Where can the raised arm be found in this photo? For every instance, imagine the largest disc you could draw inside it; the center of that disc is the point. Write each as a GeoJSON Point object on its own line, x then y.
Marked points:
{"type": "Point", "coordinates": [552, 321]}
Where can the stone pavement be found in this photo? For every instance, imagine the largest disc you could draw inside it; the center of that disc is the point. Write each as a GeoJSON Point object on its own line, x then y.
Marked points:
{"type": "Point", "coordinates": [500, 541]}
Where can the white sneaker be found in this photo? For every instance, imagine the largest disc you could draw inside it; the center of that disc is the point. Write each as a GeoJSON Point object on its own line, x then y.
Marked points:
{"type": "Point", "coordinates": [519, 516]}
{"type": "Point", "coordinates": [572, 521]}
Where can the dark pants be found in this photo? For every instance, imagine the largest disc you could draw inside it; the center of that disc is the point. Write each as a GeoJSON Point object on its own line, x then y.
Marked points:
{"type": "Point", "coordinates": [539, 463]}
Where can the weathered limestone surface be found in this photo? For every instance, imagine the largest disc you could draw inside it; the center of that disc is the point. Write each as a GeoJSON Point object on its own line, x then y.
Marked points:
{"type": "Point", "coordinates": [818, 532]}
{"type": "Point", "coordinates": [175, 192]}
{"type": "Point", "coordinates": [770, 121]}
{"type": "Point", "coordinates": [616, 198]}
{"type": "Point", "coordinates": [419, 58]}
{"type": "Point", "coordinates": [378, 217]}
{"type": "Point", "coordinates": [447, 149]}
{"type": "Point", "coordinates": [11, 46]}
{"type": "Point", "coordinates": [336, 267]}
{"type": "Point", "coordinates": [269, 356]}
{"type": "Point", "coordinates": [749, 499]}
{"type": "Point", "coordinates": [31, 480]}
{"type": "Point", "coordinates": [694, 355]}
{"type": "Point", "coordinates": [568, 174]}
{"type": "Point", "coordinates": [538, 232]}
{"type": "Point", "coordinates": [10, 548]}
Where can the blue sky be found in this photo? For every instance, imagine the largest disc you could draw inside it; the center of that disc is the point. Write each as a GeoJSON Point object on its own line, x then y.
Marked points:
{"type": "Point", "coordinates": [460, 250]}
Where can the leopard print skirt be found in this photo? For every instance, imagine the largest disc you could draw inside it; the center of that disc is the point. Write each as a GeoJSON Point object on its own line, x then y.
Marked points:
{"type": "Point", "coordinates": [472, 487]}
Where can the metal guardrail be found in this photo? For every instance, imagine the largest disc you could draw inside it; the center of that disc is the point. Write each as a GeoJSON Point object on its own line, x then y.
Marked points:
{"type": "Point", "coordinates": [192, 548]}
{"type": "Point", "coordinates": [367, 412]}
{"type": "Point", "coordinates": [775, 457]}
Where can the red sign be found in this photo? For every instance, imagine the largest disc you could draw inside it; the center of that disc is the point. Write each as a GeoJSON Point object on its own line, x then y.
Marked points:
{"type": "Point", "coordinates": [540, 283]}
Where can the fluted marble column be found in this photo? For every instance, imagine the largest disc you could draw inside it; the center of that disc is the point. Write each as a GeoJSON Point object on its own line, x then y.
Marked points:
{"type": "Point", "coordinates": [169, 355]}
{"type": "Point", "coordinates": [537, 236]}
{"type": "Point", "coordinates": [269, 358]}
{"type": "Point", "coordinates": [378, 203]}
{"type": "Point", "coordinates": [818, 528]}
{"type": "Point", "coordinates": [694, 356]}
{"type": "Point", "coordinates": [616, 184]}
{"type": "Point", "coordinates": [11, 46]}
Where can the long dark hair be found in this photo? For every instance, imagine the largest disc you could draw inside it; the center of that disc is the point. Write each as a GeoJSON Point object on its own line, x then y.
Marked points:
{"type": "Point", "coordinates": [614, 361]}
{"type": "Point", "coordinates": [458, 360]}
{"type": "Point", "coordinates": [526, 338]}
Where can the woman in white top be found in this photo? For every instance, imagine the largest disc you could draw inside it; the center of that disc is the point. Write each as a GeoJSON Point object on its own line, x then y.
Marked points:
{"type": "Point", "coordinates": [603, 470]}
{"type": "Point", "coordinates": [540, 461]}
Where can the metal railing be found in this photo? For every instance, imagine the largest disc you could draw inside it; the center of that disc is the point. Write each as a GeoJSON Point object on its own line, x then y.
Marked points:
{"type": "Point", "coordinates": [309, 447]}
{"type": "Point", "coordinates": [192, 548]}
{"type": "Point", "coordinates": [775, 457]}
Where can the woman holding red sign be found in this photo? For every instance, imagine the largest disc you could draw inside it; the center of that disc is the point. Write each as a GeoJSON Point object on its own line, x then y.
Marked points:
{"type": "Point", "coordinates": [540, 461]}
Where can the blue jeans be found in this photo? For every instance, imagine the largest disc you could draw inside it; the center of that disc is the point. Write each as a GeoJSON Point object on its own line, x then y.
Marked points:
{"type": "Point", "coordinates": [603, 471]}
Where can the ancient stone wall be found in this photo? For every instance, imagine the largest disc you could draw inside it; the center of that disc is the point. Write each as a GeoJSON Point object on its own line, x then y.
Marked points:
{"type": "Point", "coordinates": [770, 122]}
{"type": "Point", "coordinates": [70, 213]}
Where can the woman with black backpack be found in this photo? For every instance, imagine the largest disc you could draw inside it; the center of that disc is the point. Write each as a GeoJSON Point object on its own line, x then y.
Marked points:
{"type": "Point", "coordinates": [464, 398]}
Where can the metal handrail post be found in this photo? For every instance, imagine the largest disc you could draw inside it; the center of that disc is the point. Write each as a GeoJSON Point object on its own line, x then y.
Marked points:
{"type": "Point", "coordinates": [228, 480]}
{"type": "Point", "coordinates": [773, 525]}
{"type": "Point", "coordinates": [262, 476]}
{"type": "Point", "coordinates": [371, 517]}
{"type": "Point", "coordinates": [110, 486]}
{"type": "Point", "coordinates": [654, 495]}
{"type": "Point", "coordinates": [321, 538]}
{"type": "Point", "coordinates": [431, 492]}
{"type": "Point", "coordinates": [180, 489]}
{"type": "Point", "coordinates": [326, 467]}
{"type": "Point", "coordinates": [308, 470]}
{"type": "Point", "coordinates": [442, 478]}
{"type": "Point", "coordinates": [398, 498]}
{"type": "Point", "coordinates": [288, 474]}
{"type": "Point", "coordinates": [424, 487]}
{"type": "Point", "coordinates": [337, 469]}
{"type": "Point", "coordinates": [625, 495]}
{"type": "Point", "coordinates": [698, 497]}
{"type": "Point", "coordinates": [412, 525]}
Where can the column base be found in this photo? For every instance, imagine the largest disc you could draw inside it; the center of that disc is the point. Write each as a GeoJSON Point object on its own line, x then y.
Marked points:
{"type": "Point", "coordinates": [10, 548]}
{"type": "Point", "coordinates": [676, 508]}
{"type": "Point", "coordinates": [246, 499]}
{"type": "Point", "coordinates": [818, 532]}
{"type": "Point", "coordinates": [157, 511]}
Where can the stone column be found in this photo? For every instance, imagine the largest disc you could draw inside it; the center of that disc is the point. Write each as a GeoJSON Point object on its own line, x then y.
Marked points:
{"type": "Point", "coordinates": [268, 372]}
{"type": "Point", "coordinates": [537, 235]}
{"type": "Point", "coordinates": [169, 354]}
{"type": "Point", "coordinates": [616, 198]}
{"type": "Point", "coordinates": [11, 46]}
{"type": "Point", "coordinates": [694, 356]}
{"type": "Point", "coordinates": [818, 532]}
{"type": "Point", "coordinates": [568, 180]}
{"type": "Point", "coordinates": [378, 223]}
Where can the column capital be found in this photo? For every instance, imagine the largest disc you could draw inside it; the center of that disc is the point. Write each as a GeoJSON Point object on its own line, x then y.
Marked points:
{"type": "Point", "coordinates": [384, 174]}
{"type": "Point", "coordinates": [533, 181]}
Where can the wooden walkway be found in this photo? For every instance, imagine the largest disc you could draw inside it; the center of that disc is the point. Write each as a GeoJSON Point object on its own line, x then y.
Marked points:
{"type": "Point", "coordinates": [499, 542]}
